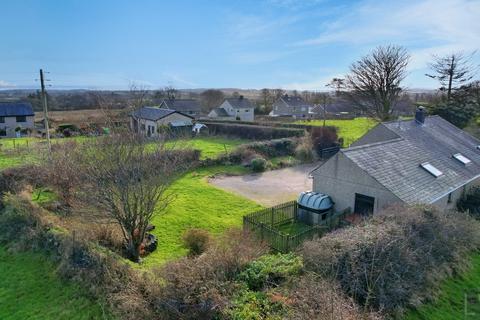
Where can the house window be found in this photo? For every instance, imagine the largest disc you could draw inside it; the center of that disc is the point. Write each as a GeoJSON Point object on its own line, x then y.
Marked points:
{"type": "Point", "coordinates": [2, 119]}
{"type": "Point", "coordinates": [431, 169]}
{"type": "Point", "coordinates": [246, 110]}
{"type": "Point", "coordinates": [142, 127]}
{"type": "Point", "coordinates": [21, 118]}
{"type": "Point", "coordinates": [460, 157]}
{"type": "Point", "coordinates": [3, 132]}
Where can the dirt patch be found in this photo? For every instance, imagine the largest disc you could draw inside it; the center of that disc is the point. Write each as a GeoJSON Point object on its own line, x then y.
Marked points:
{"type": "Point", "coordinates": [271, 187]}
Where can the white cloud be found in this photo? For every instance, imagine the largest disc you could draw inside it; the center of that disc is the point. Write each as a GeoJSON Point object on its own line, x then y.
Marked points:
{"type": "Point", "coordinates": [426, 27]}
{"type": "Point", "coordinates": [6, 85]}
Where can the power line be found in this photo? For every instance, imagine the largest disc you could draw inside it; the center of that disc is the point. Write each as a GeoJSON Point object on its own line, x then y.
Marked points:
{"type": "Point", "coordinates": [45, 110]}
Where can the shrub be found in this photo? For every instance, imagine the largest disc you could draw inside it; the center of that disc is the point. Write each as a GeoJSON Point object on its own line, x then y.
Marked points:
{"type": "Point", "coordinates": [396, 259]}
{"type": "Point", "coordinates": [250, 305]}
{"type": "Point", "coordinates": [200, 288]}
{"type": "Point", "coordinates": [259, 164]}
{"type": "Point", "coordinates": [312, 297]}
{"type": "Point", "coordinates": [470, 202]}
{"type": "Point", "coordinates": [304, 150]}
{"type": "Point", "coordinates": [323, 137]}
{"type": "Point", "coordinates": [270, 270]}
{"type": "Point", "coordinates": [196, 240]}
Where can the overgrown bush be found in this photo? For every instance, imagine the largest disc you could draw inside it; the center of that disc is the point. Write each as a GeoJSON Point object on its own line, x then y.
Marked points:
{"type": "Point", "coordinates": [251, 305]}
{"type": "Point", "coordinates": [395, 259]}
{"type": "Point", "coordinates": [270, 270]}
{"type": "Point", "coordinates": [200, 288]}
{"type": "Point", "coordinates": [324, 137]}
{"type": "Point", "coordinates": [470, 202]}
{"type": "Point", "coordinates": [313, 297]}
{"type": "Point", "coordinates": [304, 150]}
{"type": "Point", "coordinates": [196, 241]}
{"type": "Point", "coordinates": [259, 165]}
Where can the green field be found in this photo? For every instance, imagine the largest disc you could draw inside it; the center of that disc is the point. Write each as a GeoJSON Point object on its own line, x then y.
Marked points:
{"type": "Point", "coordinates": [349, 130]}
{"type": "Point", "coordinates": [30, 289]}
{"type": "Point", "coordinates": [197, 205]}
{"type": "Point", "coordinates": [451, 301]}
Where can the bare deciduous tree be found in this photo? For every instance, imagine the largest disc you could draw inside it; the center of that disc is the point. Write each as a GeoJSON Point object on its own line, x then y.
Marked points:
{"type": "Point", "coordinates": [211, 98]}
{"type": "Point", "coordinates": [452, 71]}
{"type": "Point", "coordinates": [127, 179]}
{"type": "Point", "coordinates": [373, 84]}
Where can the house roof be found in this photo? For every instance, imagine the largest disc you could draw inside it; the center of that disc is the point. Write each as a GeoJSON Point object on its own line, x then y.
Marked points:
{"type": "Point", "coordinates": [240, 102]}
{"type": "Point", "coordinates": [182, 105]}
{"type": "Point", "coordinates": [12, 109]}
{"type": "Point", "coordinates": [396, 163]}
{"type": "Point", "coordinates": [221, 112]}
{"type": "Point", "coordinates": [294, 101]}
{"type": "Point", "coordinates": [154, 113]}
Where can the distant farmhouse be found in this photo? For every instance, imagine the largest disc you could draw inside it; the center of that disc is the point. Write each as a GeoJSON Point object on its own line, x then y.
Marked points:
{"type": "Point", "coordinates": [234, 109]}
{"type": "Point", "coordinates": [426, 160]}
{"type": "Point", "coordinates": [16, 119]}
{"type": "Point", "coordinates": [149, 121]}
{"type": "Point", "coordinates": [189, 107]}
{"type": "Point", "coordinates": [292, 106]}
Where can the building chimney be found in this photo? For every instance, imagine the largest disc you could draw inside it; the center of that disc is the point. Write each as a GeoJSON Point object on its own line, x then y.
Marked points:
{"type": "Point", "coordinates": [240, 97]}
{"type": "Point", "coordinates": [420, 115]}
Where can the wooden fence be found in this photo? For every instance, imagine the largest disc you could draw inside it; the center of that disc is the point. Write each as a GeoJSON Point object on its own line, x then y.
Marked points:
{"type": "Point", "coordinates": [265, 223]}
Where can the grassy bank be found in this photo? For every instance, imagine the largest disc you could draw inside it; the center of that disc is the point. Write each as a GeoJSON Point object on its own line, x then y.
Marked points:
{"type": "Point", "coordinates": [451, 301]}
{"type": "Point", "coordinates": [30, 289]}
{"type": "Point", "coordinates": [197, 205]}
{"type": "Point", "coordinates": [349, 130]}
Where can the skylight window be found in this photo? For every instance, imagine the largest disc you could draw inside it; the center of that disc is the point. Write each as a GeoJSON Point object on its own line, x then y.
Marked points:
{"type": "Point", "coordinates": [460, 157]}
{"type": "Point", "coordinates": [431, 169]}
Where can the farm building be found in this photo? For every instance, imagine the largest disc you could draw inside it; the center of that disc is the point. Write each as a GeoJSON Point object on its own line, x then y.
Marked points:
{"type": "Point", "coordinates": [16, 119]}
{"type": "Point", "coordinates": [150, 120]}
{"type": "Point", "coordinates": [189, 107]}
{"type": "Point", "coordinates": [425, 160]}
{"type": "Point", "coordinates": [292, 106]}
{"type": "Point", "coordinates": [234, 109]}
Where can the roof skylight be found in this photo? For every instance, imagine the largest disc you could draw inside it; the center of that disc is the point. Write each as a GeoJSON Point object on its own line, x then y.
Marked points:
{"type": "Point", "coordinates": [431, 169]}
{"type": "Point", "coordinates": [460, 157]}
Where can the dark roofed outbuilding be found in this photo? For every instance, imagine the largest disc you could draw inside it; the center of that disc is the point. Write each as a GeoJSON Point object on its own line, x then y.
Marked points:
{"type": "Point", "coordinates": [186, 106]}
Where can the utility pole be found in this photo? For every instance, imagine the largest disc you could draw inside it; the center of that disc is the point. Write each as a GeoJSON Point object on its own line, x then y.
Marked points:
{"type": "Point", "coordinates": [45, 110]}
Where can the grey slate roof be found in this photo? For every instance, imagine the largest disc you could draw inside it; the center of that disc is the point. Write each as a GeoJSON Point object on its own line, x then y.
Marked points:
{"type": "Point", "coordinates": [182, 105]}
{"type": "Point", "coordinates": [153, 113]}
{"type": "Point", "coordinates": [240, 102]}
{"type": "Point", "coordinates": [396, 163]}
{"type": "Point", "coordinates": [295, 101]}
{"type": "Point", "coordinates": [221, 112]}
{"type": "Point", "coordinates": [12, 109]}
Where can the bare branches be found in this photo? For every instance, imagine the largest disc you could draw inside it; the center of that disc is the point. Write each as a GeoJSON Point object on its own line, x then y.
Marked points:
{"type": "Point", "coordinates": [373, 84]}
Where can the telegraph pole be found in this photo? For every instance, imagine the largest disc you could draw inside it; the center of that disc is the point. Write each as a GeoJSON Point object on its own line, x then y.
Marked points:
{"type": "Point", "coordinates": [45, 110]}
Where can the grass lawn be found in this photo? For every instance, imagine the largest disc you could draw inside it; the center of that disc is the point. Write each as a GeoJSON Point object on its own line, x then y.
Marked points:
{"type": "Point", "coordinates": [292, 228]}
{"type": "Point", "coordinates": [450, 304]}
{"type": "Point", "coordinates": [30, 289]}
{"type": "Point", "coordinates": [197, 205]}
{"type": "Point", "coordinates": [211, 147]}
{"type": "Point", "coordinates": [349, 130]}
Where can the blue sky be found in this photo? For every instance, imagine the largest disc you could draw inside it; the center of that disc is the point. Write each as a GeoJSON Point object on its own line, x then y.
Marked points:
{"type": "Point", "coordinates": [246, 44]}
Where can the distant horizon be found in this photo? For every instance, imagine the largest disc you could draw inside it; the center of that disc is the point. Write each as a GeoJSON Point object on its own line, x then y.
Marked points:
{"type": "Point", "coordinates": [288, 44]}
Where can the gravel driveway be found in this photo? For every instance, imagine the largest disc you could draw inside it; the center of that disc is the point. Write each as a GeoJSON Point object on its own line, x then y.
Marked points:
{"type": "Point", "coordinates": [271, 187]}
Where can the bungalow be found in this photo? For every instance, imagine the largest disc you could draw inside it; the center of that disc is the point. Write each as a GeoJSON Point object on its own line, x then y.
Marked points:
{"type": "Point", "coordinates": [189, 107]}
{"type": "Point", "coordinates": [16, 118]}
{"type": "Point", "coordinates": [292, 106]}
{"type": "Point", "coordinates": [149, 120]}
{"type": "Point", "coordinates": [426, 160]}
{"type": "Point", "coordinates": [234, 109]}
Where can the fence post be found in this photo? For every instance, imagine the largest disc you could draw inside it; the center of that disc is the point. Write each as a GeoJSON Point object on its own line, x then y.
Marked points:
{"type": "Point", "coordinates": [271, 218]}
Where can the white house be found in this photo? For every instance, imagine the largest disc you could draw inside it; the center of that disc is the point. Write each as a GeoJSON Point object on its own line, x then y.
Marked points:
{"type": "Point", "coordinates": [234, 109]}
{"type": "Point", "coordinates": [149, 120]}
{"type": "Point", "coordinates": [16, 118]}
{"type": "Point", "coordinates": [426, 160]}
